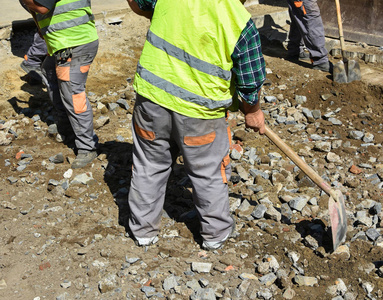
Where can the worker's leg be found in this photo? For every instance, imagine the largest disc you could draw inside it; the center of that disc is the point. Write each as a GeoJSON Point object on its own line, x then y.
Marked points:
{"type": "Point", "coordinates": [72, 74]}
{"type": "Point", "coordinates": [152, 160]}
{"type": "Point", "coordinates": [49, 79]}
{"type": "Point", "coordinates": [315, 38]}
{"type": "Point", "coordinates": [307, 17]}
{"type": "Point", "coordinates": [204, 145]}
{"type": "Point", "coordinates": [37, 51]}
{"type": "Point", "coordinates": [34, 58]}
{"type": "Point", "coordinates": [295, 44]}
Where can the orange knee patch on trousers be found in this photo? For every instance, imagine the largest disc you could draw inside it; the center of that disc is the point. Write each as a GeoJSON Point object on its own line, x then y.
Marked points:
{"type": "Point", "coordinates": [79, 103]}
{"type": "Point", "coordinates": [63, 73]}
{"type": "Point", "coordinates": [84, 69]}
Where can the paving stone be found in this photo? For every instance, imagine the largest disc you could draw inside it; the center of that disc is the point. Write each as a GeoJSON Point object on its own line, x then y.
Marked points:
{"type": "Point", "coordinates": [149, 291]}
{"type": "Point", "coordinates": [356, 135]}
{"type": "Point", "coordinates": [84, 178]}
{"type": "Point", "coordinates": [311, 242]}
{"type": "Point", "coordinates": [372, 234]}
{"type": "Point", "coordinates": [170, 283]}
{"type": "Point", "coordinates": [255, 173]}
{"type": "Point", "coordinates": [268, 279]}
{"type": "Point", "coordinates": [123, 103]}
{"type": "Point", "coordinates": [235, 155]}
{"type": "Point", "coordinates": [204, 294]}
{"type": "Point", "coordinates": [273, 214]}
{"type": "Point", "coordinates": [193, 284]}
{"type": "Point", "coordinates": [300, 99]}
{"type": "Point", "coordinates": [317, 114]}
{"type": "Point", "coordinates": [108, 283]}
{"type": "Point", "coordinates": [247, 276]}
{"type": "Point", "coordinates": [3, 284]}
{"type": "Point", "coordinates": [201, 267]}
{"type": "Point", "coordinates": [298, 203]}
{"type": "Point", "coordinates": [305, 280]}
{"type": "Point", "coordinates": [101, 121]}
{"type": "Point", "coordinates": [270, 99]}
{"type": "Point", "coordinates": [333, 158]}
{"type": "Point", "coordinates": [322, 146]}
{"type": "Point", "coordinates": [57, 159]}
{"type": "Point", "coordinates": [259, 211]}
{"type": "Point", "coordinates": [64, 296]}
{"type": "Point", "coordinates": [335, 121]}
{"type": "Point", "coordinates": [368, 138]}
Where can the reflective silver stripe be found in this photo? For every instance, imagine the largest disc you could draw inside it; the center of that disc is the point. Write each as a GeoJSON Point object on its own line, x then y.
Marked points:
{"type": "Point", "coordinates": [67, 24]}
{"type": "Point", "coordinates": [71, 6]}
{"type": "Point", "coordinates": [64, 8]}
{"type": "Point", "coordinates": [178, 91]}
{"type": "Point", "coordinates": [192, 61]}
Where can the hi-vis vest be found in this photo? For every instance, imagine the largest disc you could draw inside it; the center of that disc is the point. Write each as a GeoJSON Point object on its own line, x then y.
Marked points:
{"type": "Point", "coordinates": [69, 24]}
{"type": "Point", "coordinates": [186, 64]}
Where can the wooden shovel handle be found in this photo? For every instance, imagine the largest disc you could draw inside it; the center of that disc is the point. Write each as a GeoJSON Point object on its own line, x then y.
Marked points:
{"type": "Point", "coordinates": [340, 26]}
{"type": "Point", "coordinates": [299, 162]}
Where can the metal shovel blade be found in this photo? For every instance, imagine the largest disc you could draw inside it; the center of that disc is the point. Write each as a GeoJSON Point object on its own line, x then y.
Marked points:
{"type": "Point", "coordinates": [345, 72]}
{"type": "Point", "coordinates": [339, 72]}
{"type": "Point", "coordinates": [338, 218]}
{"type": "Point", "coordinates": [353, 71]}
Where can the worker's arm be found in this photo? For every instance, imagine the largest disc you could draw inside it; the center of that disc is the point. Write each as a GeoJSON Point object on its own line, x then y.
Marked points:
{"type": "Point", "coordinates": [35, 7]}
{"type": "Point", "coordinates": [141, 8]}
{"type": "Point", "coordinates": [249, 70]}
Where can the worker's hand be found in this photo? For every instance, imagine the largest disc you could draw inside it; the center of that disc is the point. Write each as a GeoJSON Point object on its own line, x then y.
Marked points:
{"type": "Point", "coordinates": [254, 117]}
{"type": "Point", "coordinates": [255, 121]}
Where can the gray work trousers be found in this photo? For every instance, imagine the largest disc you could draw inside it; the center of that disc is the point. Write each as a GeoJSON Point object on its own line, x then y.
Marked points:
{"type": "Point", "coordinates": [306, 29]}
{"type": "Point", "coordinates": [158, 135]}
{"type": "Point", "coordinates": [65, 81]}
{"type": "Point", "coordinates": [37, 52]}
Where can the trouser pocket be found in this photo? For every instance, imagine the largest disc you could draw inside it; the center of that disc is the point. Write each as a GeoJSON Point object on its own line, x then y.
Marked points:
{"type": "Point", "coordinates": [143, 124]}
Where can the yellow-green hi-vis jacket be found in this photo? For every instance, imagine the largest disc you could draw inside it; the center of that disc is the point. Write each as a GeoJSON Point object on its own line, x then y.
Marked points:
{"type": "Point", "coordinates": [69, 24]}
{"type": "Point", "coordinates": [186, 63]}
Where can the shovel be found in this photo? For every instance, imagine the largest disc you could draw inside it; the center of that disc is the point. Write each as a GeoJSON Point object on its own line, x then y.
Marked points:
{"type": "Point", "coordinates": [344, 70]}
{"type": "Point", "coordinates": [336, 206]}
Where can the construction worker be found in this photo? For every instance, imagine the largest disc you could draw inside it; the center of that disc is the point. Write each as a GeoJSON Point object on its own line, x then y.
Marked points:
{"type": "Point", "coordinates": [35, 56]}
{"type": "Point", "coordinates": [186, 78]}
{"type": "Point", "coordinates": [306, 31]}
{"type": "Point", "coordinates": [69, 30]}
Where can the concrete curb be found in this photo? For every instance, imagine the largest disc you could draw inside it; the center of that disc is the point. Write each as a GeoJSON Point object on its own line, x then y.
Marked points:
{"type": "Point", "coordinates": [269, 25]}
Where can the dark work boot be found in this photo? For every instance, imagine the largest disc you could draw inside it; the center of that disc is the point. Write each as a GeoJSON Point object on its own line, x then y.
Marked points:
{"type": "Point", "coordinates": [83, 158]}
{"type": "Point", "coordinates": [301, 56]}
{"type": "Point", "coordinates": [34, 72]}
{"type": "Point", "coordinates": [324, 67]}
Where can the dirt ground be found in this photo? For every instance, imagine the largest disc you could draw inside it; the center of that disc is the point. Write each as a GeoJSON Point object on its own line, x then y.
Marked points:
{"type": "Point", "coordinates": [55, 241]}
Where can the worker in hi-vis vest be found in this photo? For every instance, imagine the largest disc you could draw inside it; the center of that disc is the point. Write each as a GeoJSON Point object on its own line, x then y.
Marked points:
{"type": "Point", "coordinates": [69, 31]}
{"type": "Point", "coordinates": [197, 57]}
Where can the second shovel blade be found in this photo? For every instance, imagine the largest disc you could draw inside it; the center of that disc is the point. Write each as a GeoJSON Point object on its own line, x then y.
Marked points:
{"type": "Point", "coordinates": [353, 71]}
{"type": "Point", "coordinates": [338, 219]}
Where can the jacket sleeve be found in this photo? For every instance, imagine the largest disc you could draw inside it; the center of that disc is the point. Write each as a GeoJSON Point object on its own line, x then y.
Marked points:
{"type": "Point", "coordinates": [249, 64]}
